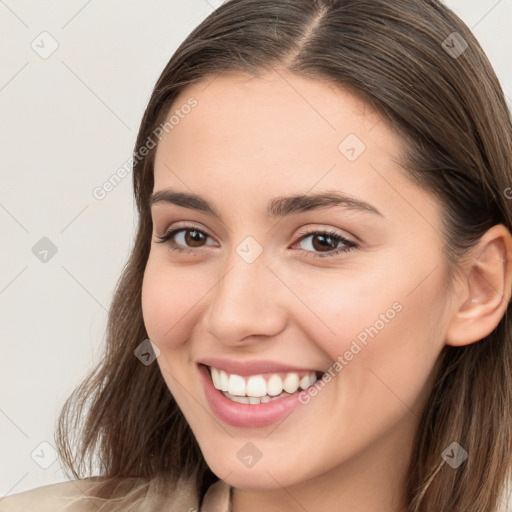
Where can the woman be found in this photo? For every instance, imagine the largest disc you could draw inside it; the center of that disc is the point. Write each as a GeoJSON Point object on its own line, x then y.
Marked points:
{"type": "Point", "coordinates": [314, 312]}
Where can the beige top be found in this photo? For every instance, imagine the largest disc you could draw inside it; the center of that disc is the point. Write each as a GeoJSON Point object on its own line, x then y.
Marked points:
{"type": "Point", "coordinates": [58, 498]}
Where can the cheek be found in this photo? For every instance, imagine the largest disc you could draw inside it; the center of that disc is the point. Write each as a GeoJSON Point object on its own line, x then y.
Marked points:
{"type": "Point", "coordinates": [390, 376]}
{"type": "Point", "coordinates": [168, 298]}
{"type": "Point", "coordinates": [389, 340]}
{"type": "Point", "coordinates": [337, 306]}
{"type": "Point", "coordinates": [383, 326]}
{"type": "Point", "coordinates": [156, 298]}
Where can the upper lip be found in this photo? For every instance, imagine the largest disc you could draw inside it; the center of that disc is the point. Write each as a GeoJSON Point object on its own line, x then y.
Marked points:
{"type": "Point", "coordinates": [246, 368]}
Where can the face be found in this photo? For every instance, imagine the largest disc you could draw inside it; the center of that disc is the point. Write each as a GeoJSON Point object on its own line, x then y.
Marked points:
{"type": "Point", "coordinates": [278, 293]}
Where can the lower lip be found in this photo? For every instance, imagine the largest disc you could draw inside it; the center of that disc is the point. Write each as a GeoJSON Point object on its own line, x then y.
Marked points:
{"type": "Point", "coordinates": [246, 415]}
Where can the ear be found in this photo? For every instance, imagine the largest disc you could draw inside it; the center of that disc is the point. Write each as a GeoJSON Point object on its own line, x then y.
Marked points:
{"type": "Point", "coordinates": [486, 284]}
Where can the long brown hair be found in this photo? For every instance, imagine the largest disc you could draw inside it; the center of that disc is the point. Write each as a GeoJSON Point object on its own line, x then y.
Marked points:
{"type": "Point", "coordinates": [451, 113]}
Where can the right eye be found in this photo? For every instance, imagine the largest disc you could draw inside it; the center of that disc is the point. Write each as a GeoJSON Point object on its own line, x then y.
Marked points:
{"type": "Point", "coordinates": [196, 237]}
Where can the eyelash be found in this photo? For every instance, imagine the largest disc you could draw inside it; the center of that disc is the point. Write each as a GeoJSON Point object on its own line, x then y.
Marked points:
{"type": "Point", "coordinates": [348, 244]}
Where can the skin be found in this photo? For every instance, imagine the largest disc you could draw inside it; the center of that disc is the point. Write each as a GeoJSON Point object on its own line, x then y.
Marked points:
{"type": "Point", "coordinates": [252, 139]}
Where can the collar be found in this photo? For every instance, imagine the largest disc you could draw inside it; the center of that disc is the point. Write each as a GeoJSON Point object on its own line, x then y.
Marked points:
{"type": "Point", "coordinates": [217, 498]}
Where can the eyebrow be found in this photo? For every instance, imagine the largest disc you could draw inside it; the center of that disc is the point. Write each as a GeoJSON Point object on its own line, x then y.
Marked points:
{"type": "Point", "coordinates": [277, 207]}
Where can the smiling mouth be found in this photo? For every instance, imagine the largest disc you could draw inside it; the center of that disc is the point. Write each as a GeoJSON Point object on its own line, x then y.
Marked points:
{"type": "Point", "coordinates": [261, 388]}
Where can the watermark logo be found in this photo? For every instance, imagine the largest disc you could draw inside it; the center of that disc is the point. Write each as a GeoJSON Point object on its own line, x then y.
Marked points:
{"type": "Point", "coordinates": [44, 250]}
{"type": "Point", "coordinates": [44, 45]}
{"type": "Point", "coordinates": [454, 455]}
{"type": "Point", "coordinates": [44, 455]}
{"type": "Point", "coordinates": [351, 147]}
{"type": "Point", "coordinates": [146, 352]}
{"type": "Point", "coordinates": [249, 454]}
{"type": "Point", "coordinates": [249, 249]}
{"type": "Point", "coordinates": [454, 45]}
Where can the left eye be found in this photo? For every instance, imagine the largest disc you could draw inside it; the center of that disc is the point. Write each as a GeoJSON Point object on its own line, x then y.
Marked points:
{"type": "Point", "coordinates": [327, 239]}
{"type": "Point", "coordinates": [321, 239]}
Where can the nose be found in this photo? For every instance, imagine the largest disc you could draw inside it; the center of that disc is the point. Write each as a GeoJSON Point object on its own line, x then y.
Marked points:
{"type": "Point", "coordinates": [247, 303]}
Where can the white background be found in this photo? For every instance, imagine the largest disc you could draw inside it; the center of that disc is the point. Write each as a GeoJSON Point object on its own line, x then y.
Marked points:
{"type": "Point", "coordinates": [68, 123]}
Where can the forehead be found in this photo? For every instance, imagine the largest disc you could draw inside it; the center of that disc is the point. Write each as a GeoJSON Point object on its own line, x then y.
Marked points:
{"type": "Point", "coordinates": [274, 122]}
{"type": "Point", "coordinates": [247, 109]}
{"type": "Point", "coordinates": [248, 139]}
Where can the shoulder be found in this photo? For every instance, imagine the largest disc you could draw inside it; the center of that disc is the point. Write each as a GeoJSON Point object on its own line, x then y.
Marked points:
{"type": "Point", "coordinates": [79, 496]}
{"type": "Point", "coordinates": [49, 498]}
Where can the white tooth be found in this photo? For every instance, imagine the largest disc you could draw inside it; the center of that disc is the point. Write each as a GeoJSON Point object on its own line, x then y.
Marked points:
{"type": "Point", "coordinates": [264, 399]}
{"type": "Point", "coordinates": [236, 385]}
{"type": "Point", "coordinates": [274, 385]}
{"type": "Point", "coordinates": [256, 386]}
{"type": "Point", "coordinates": [215, 377]}
{"type": "Point", "coordinates": [312, 378]}
{"type": "Point", "coordinates": [291, 382]}
{"type": "Point", "coordinates": [254, 399]}
{"type": "Point", "coordinates": [223, 380]}
{"type": "Point", "coordinates": [304, 382]}
{"type": "Point", "coordinates": [240, 399]}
